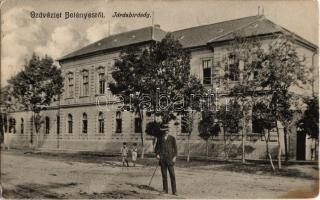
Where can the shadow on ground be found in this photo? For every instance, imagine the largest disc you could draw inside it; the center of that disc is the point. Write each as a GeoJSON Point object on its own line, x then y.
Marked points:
{"type": "Point", "coordinates": [37, 191]}
{"type": "Point", "coordinates": [234, 166]}
{"type": "Point", "coordinates": [41, 191]}
{"type": "Point", "coordinates": [266, 170]}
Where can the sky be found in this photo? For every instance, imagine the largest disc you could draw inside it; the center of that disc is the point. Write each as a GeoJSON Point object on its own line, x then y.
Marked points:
{"type": "Point", "coordinates": [22, 35]}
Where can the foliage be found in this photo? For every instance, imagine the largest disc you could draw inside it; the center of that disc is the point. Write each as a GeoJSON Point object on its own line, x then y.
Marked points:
{"type": "Point", "coordinates": [37, 84]}
{"type": "Point", "coordinates": [310, 120]}
{"type": "Point", "coordinates": [229, 117]}
{"type": "Point", "coordinates": [162, 68]}
{"type": "Point", "coordinates": [155, 129]}
{"type": "Point", "coordinates": [263, 117]}
{"type": "Point", "coordinates": [207, 126]}
{"type": "Point", "coordinates": [142, 76]}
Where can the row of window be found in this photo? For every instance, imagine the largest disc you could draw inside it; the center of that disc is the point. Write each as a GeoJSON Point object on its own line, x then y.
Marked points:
{"type": "Point", "coordinates": [257, 125]}
{"type": "Point", "coordinates": [211, 71]}
{"type": "Point", "coordinates": [101, 124]}
{"type": "Point", "coordinates": [85, 82]}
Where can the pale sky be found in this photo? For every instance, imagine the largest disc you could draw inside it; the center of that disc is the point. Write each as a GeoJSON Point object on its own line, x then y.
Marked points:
{"type": "Point", "coordinates": [21, 35]}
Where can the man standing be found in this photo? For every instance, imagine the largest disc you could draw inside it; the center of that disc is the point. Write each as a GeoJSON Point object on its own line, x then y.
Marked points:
{"type": "Point", "coordinates": [166, 152]}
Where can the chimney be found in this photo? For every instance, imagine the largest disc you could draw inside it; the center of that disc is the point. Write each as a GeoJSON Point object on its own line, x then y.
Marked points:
{"type": "Point", "coordinates": [157, 26]}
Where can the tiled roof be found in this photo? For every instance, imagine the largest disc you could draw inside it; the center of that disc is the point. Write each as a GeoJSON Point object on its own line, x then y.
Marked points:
{"type": "Point", "coordinates": [119, 40]}
{"type": "Point", "coordinates": [201, 35]}
{"type": "Point", "coordinates": [190, 37]}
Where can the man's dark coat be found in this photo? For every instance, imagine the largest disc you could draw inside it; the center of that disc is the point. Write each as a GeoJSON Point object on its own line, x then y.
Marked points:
{"type": "Point", "coordinates": [166, 149]}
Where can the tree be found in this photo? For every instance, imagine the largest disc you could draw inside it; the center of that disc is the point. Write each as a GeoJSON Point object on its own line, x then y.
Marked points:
{"type": "Point", "coordinates": [155, 129]}
{"type": "Point", "coordinates": [229, 118]}
{"type": "Point", "coordinates": [35, 87]}
{"type": "Point", "coordinates": [265, 75]}
{"type": "Point", "coordinates": [282, 69]}
{"type": "Point", "coordinates": [208, 128]}
{"type": "Point", "coordinates": [309, 123]}
{"type": "Point", "coordinates": [244, 62]}
{"type": "Point", "coordinates": [192, 95]}
{"type": "Point", "coordinates": [142, 76]}
{"type": "Point", "coordinates": [264, 120]}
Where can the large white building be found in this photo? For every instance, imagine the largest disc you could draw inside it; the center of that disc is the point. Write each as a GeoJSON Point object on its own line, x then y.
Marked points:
{"type": "Point", "coordinates": [76, 123]}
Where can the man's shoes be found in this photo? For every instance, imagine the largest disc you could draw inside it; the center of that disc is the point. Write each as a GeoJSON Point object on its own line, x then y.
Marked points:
{"type": "Point", "coordinates": [164, 192]}
{"type": "Point", "coordinates": [176, 194]}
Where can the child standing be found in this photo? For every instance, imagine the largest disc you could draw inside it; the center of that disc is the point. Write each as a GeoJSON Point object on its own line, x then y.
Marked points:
{"type": "Point", "coordinates": [134, 154]}
{"type": "Point", "coordinates": [124, 154]}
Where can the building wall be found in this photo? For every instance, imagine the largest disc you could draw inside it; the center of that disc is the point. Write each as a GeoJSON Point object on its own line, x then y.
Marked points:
{"type": "Point", "coordinates": [110, 141]}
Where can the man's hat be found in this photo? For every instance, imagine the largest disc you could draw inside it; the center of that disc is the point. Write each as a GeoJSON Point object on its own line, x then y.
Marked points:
{"type": "Point", "coordinates": [124, 143]}
{"type": "Point", "coordinates": [165, 127]}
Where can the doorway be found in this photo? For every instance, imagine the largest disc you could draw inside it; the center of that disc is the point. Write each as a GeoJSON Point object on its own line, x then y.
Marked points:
{"type": "Point", "coordinates": [301, 146]}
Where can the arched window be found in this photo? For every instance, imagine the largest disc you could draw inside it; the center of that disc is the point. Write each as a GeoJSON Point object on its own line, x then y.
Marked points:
{"type": "Point", "coordinates": [102, 81]}
{"type": "Point", "coordinates": [101, 122]}
{"type": "Point", "coordinates": [22, 126]}
{"type": "Point", "coordinates": [47, 127]}
{"type": "Point", "coordinates": [85, 82]}
{"type": "Point", "coordinates": [137, 124]}
{"type": "Point", "coordinates": [12, 125]}
{"type": "Point", "coordinates": [118, 122]}
{"type": "Point", "coordinates": [69, 123]}
{"type": "Point", "coordinates": [84, 123]}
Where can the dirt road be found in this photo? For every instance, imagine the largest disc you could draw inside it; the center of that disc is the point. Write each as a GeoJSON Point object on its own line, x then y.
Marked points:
{"type": "Point", "coordinates": [24, 176]}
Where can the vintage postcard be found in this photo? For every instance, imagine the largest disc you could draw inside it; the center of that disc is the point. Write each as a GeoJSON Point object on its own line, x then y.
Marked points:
{"type": "Point", "coordinates": [159, 99]}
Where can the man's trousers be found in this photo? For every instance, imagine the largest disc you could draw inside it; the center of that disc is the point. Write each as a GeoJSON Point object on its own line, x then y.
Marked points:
{"type": "Point", "coordinates": [167, 166]}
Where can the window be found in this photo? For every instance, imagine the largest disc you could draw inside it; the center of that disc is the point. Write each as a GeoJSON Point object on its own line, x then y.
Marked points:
{"type": "Point", "coordinates": [84, 123]}
{"type": "Point", "coordinates": [257, 126]}
{"type": "Point", "coordinates": [85, 83]}
{"type": "Point", "coordinates": [47, 127]}
{"type": "Point", "coordinates": [137, 124]}
{"type": "Point", "coordinates": [22, 126]}
{"type": "Point", "coordinates": [101, 122]}
{"type": "Point", "coordinates": [69, 123]}
{"type": "Point", "coordinates": [12, 125]}
{"type": "Point", "coordinates": [102, 82]}
{"type": "Point", "coordinates": [257, 67]}
{"type": "Point", "coordinates": [207, 67]}
{"type": "Point", "coordinates": [118, 122]}
{"type": "Point", "coordinates": [185, 124]}
{"type": "Point", "coordinates": [58, 124]}
{"type": "Point", "coordinates": [70, 84]}
{"type": "Point", "coordinates": [233, 68]}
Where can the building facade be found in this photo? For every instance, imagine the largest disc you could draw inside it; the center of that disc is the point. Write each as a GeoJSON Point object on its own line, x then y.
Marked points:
{"type": "Point", "coordinates": [86, 119]}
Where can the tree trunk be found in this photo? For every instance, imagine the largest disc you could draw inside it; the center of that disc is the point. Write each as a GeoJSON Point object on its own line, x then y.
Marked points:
{"type": "Point", "coordinates": [207, 150]}
{"type": "Point", "coordinates": [229, 148]}
{"type": "Point", "coordinates": [142, 135]}
{"type": "Point", "coordinates": [271, 162]}
{"type": "Point", "coordinates": [285, 144]}
{"type": "Point", "coordinates": [279, 148]}
{"type": "Point", "coordinates": [188, 156]}
{"type": "Point", "coordinates": [32, 129]}
{"type": "Point", "coordinates": [243, 138]}
{"type": "Point", "coordinates": [267, 150]}
{"type": "Point", "coordinates": [243, 150]}
{"type": "Point", "coordinates": [225, 144]}
{"type": "Point", "coordinates": [315, 149]}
